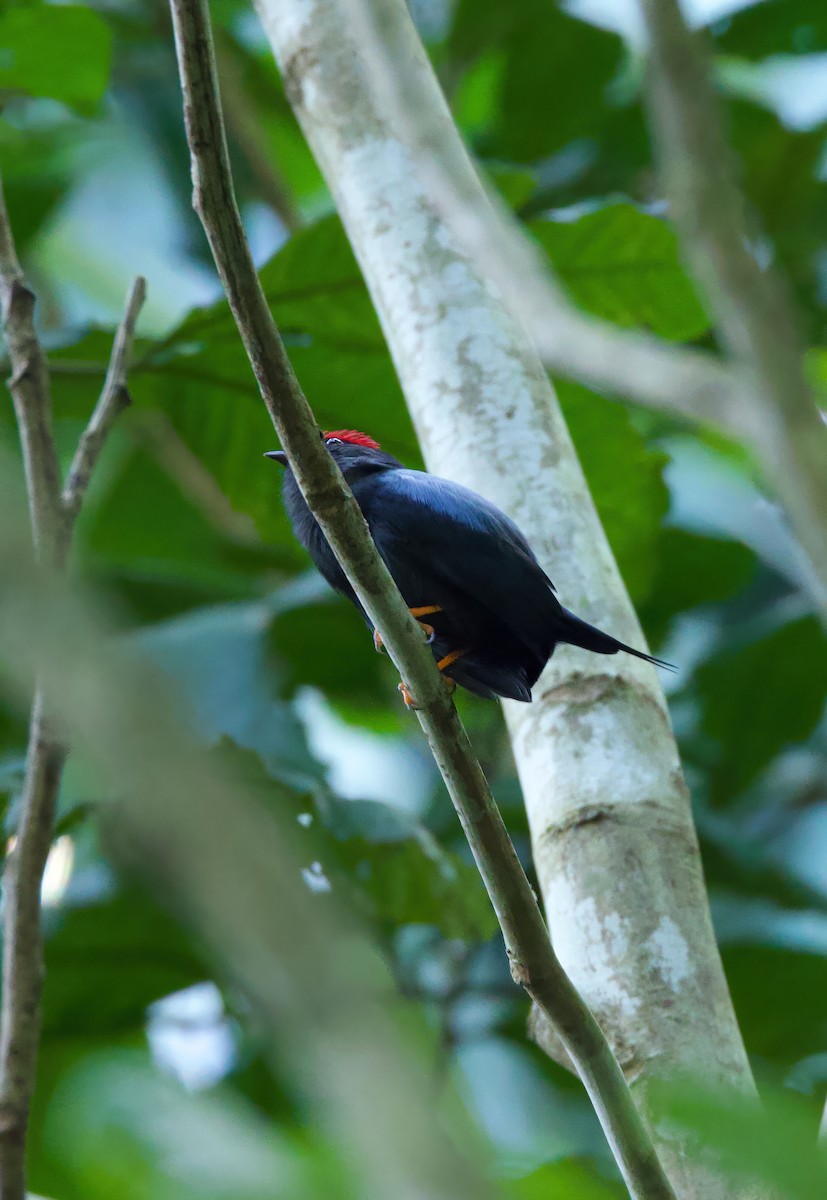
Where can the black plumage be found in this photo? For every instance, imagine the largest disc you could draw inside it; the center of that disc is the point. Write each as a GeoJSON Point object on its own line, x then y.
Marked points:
{"type": "Point", "coordinates": [449, 549]}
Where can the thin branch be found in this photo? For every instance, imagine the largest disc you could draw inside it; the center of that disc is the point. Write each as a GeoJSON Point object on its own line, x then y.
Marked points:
{"type": "Point", "coordinates": [114, 398]}
{"type": "Point", "coordinates": [666, 377]}
{"type": "Point", "coordinates": [51, 522]}
{"type": "Point", "coordinates": [752, 309]}
{"type": "Point", "coordinates": [23, 871]}
{"type": "Point", "coordinates": [29, 387]}
{"type": "Point", "coordinates": [23, 945]}
{"type": "Point", "coordinates": [533, 962]}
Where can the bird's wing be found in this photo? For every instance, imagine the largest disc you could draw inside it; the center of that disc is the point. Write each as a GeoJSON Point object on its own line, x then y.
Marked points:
{"type": "Point", "coordinates": [458, 536]}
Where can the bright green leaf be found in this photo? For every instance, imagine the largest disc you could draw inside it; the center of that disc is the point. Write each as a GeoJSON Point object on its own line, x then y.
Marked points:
{"type": "Point", "coordinates": [760, 698]}
{"type": "Point", "coordinates": [220, 659]}
{"type": "Point", "coordinates": [625, 478]}
{"type": "Point", "coordinates": [569, 1179]}
{"type": "Point", "coordinates": [106, 962]}
{"type": "Point", "coordinates": [623, 265]}
{"type": "Point", "coordinates": [63, 52]}
{"type": "Point", "coordinates": [690, 570]}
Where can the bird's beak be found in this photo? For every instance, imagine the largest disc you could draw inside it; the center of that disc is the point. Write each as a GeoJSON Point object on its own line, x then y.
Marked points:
{"type": "Point", "coordinates": [278, 455]}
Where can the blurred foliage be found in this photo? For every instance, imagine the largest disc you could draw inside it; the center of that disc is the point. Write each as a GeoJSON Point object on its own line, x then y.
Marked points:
{"type": "Point", "coordinates": [142, 1092]}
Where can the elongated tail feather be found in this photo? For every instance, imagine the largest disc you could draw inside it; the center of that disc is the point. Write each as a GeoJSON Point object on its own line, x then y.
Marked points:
{"type": "Point", "coordinates": [579, 633]}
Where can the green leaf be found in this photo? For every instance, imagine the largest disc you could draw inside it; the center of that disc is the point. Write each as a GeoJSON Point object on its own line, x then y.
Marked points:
{"type": "Point", "coordinates": [418, 882]}
{"type": "Point", "coordinates": [379, 860]}
{"type": "Point", "coordinates": [745, 867]}
{"type": "Point", "coordinates": [117, 1127]}
{"type": "Point", "coordinates": [565, 1180]}
{"type": "Point", "coordinates": [769, 1148]}
{"type": "Point", "coordinates": [327, 645]}
{"type": "Point", "coordinates": [106, 962]}
{"type": "Point", "coordinates": [760, 698]}
{"type": "Point", "coordinates": [692, 569]}
{"type": "Point", "coordinates": [63, 52]}
{"type": "Point", "coordinates": [623, 265]}
{"type": "Point", "coordinates": [791, 216]}
{"type": "Point", "coordinates": [220, 658]}
{"type": "Point", "coordinates": [548, 54]}
{"type": "Point", "coordinates": [775, 27]}
{"type": "Point", "coordinates": [625, 478]}
{"type": "Point", "coordinates": [36, 173]}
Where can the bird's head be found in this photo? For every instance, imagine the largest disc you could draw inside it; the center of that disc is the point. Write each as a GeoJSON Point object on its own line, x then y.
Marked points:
{"type": "Point", "coordinates": [354, 452]}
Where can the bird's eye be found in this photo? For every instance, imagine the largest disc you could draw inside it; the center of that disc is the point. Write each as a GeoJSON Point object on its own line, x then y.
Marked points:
{"type": "Point", "coordinates": [333, 442]}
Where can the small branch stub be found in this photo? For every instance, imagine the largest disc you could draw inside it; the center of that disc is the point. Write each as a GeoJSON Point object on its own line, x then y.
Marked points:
{"type": "Point", "coordinates": [114, 398]}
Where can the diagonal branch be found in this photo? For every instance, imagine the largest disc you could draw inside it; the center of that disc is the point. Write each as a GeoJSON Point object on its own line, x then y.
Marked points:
{"type": "Point", "coordinates": [114, 398]}
{"type": "Point", "coordinates": [51, 524]}
{"type": "Point", "coordinates": [533, 962]}
{"type": "Point", "coordinates": [750, 304]}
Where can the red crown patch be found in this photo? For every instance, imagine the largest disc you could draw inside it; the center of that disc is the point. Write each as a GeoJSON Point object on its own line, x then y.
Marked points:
{"type": "Point", "coordinates": [353, 436]}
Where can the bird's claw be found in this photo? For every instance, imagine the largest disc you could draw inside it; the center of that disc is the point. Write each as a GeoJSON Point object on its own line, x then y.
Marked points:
{"type": "Point", "coordinates": [379, 645]}
{"type": "Point", "coordinates": [405, 692]}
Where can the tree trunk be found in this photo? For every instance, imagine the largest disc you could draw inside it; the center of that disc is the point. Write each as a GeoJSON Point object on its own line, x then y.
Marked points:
{"type": "Point", "coordinates": [614, 843]}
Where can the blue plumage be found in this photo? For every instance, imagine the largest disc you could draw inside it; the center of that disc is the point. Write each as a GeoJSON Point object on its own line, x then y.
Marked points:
{"type": "Point", "coordinates": [449, 549]}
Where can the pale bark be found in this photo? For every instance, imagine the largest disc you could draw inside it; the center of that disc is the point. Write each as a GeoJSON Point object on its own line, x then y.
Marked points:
{"type": "Point", "coordinates": [613, 838]}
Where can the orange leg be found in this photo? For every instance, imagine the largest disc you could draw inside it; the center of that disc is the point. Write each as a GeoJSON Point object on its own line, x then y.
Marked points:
{"type": "Point", "coordinates": [450, 658]}
{"type": "Point", "coordinates": [425, 610]}
{"type": "Point", "coordinates": [410, 702]}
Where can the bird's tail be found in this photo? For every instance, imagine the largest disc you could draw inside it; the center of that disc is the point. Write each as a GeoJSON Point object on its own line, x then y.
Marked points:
{"type": "Point", "coordinates": [580, 633]}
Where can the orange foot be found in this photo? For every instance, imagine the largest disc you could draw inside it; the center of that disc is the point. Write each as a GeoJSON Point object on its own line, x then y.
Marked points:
{"type": "Point", "coordinates": [410, 701]}
{"type": "Point", "coordinates": [425, 611]}
{"type": "Point", "coordinates": [405, 691]}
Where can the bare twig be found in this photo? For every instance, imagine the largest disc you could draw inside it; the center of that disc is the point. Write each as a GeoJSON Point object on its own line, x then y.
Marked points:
{"type": "Point", "coordinates": [114, 398]}
{"type": "Point", "coordinates": [533, 962]}
{"type": "Point", "coordinates": [29, 386]}
{"type": "Point", "coordinates": [23, 945]}
{"type": "Point", "coordinates": [750, 304]}
{"type": "Point", "coordinates": [22, 941]}
{"type": "Point", "coordinates": [51, 524]}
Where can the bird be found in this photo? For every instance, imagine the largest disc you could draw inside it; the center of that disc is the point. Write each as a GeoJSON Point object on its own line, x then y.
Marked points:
{"type": "Point", "coordinates": [465, 570]}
